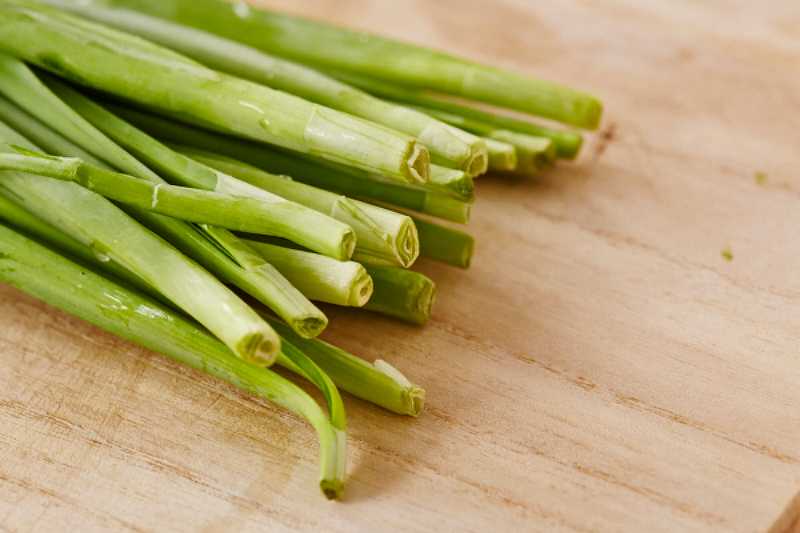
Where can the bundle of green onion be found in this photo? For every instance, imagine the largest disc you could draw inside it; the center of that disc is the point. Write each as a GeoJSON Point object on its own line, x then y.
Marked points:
{"type": "Point", "coordinates": [161, 159]}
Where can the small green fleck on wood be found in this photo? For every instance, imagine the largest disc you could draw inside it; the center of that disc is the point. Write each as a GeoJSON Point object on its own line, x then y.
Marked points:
{"type": "Point", "coordinates": [761, 178]}
{"type": "Point", "coordinates": [727, 253]}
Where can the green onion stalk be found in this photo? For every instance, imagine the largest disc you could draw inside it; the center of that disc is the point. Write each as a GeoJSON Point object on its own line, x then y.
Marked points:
{"type": "Point", "coordinates": [323, 45]}
{"type": "Point", "coordinates": [343, 180]}
{"type": "Point", "coordinates": [381, 234]}
{"type": "Point", "coordinates": [379, 383]}
{"type": "Point", "coordinates": [480, 122]}
{"type": "Point", "coordinates": [113, 235]}
{"type": "Point", "coordinates": [443, 181]}
{"type": "Point", "coordinates": [253, 215]}
{"type": "Point", "coordinates": [502, 156]}
{"type": "Point", "coordinates": [533, 152]}
{"type": "Point", "coordinates": [402, 294]}
{"type": "Point", "coordinates": [444, 244]}
{"type": "Point", "coordinates": [388, 290]}
{"type": "Point", "coordinates": [320, 278]}
{"type": "Point", "coordinates": [448, 146]}
{"type": "Point", "coordinates": [118, 63]}
{"type": "Point", "coordinates": [215, 248]}
{"type": "Point", "coordinates": [50, 277]}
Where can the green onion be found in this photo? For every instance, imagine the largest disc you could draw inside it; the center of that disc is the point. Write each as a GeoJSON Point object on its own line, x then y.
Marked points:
{"type": "Point", "coordinates": [448, 145]}
{"type": "Point", "coordinates": [502, 156]}
{"type": "Point", "coordinates": [533, 153]}
{"type": "Point", "coordinates": [378, 383]}
{"type": "Point", "coordinates": [50, 277]}
{"type": "Point", "coordinates": [445, 244]}
{"type": "Point", "coordinates": [403, 294]}
{"type": "Point", "coordinates": [317, 43]}
{"type": "Point", "coordinates": [381, 234]}
{"type": "Point", "coordinates": [480, 122]}
{"type": "Point", "coordinates": [276, 217]}
{"type": "Point", "coordinates": [338, 178]}
{"type": "Point", "coordinates": [137, 70]}
{"type": "Point", "coordinates": [320, 278]}
{"type": "Point", "coordinates": [112, 235]}
{"type": "Point", "coordinates": [215, 248]}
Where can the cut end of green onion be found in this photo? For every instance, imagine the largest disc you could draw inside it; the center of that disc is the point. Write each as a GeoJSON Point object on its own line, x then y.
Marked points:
{"type": "Point", "coordinates": [534, 153]}
{"type": "Point", "coordinates": [260, 349]}
{"type": "Point", "coordinates": [309, 327]}
{"type": "Point", "coordinates": [348, 245]}
{"type": "Point", "coordinates": [425, 300]}
{"type": "Point", "coordinates": [413, 396]}
{"type": "Point", "coordinates": [419, 164]}
{"type": "Point", "coordinates": [477, 164]}
{"type": "Point", "coordinates": [465, 259]}
{"type": "Point", "coordinates": [502, 156]}
{"type": "Point", "coordinates": [415, 400]}
{"type": "Point", "coordinates": [408, 243]}
{"type": "Point", "coordinates": [332, 488]}
{"type": "Point", "coordinates": [591, 110]}
{"type": "Point", "coordinates": [332, 483]}
{"type": "Point", "coordinates": [361, 290]}
{"type": "Point", "coordinates": [570, 145]}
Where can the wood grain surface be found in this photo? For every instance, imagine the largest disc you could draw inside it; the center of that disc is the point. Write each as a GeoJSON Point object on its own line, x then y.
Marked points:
{"type": "Point", "coordinates": [602, 367]}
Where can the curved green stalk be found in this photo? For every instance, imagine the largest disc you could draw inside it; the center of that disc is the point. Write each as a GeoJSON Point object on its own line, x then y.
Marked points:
{"type": "Point", "coordinates": [320, 278]}
{"type": "Point", "coordinates": [215, 248]}
{"type": "Point", "coordinates": [378, 383]}
{"type": "Point", "coordinates": [52, 278]}
{"type": "Point", "coordinates": [117, 63]}
{"type": "Point", "coordinates": [317, 43]}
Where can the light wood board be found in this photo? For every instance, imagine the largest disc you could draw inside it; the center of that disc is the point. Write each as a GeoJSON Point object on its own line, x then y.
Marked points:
{"type": "Point", "coordinates": [601, 367]}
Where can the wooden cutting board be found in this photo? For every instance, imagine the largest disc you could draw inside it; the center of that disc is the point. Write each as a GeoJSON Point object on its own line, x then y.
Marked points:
{"type": "Point", "coordinates": [602, 367]}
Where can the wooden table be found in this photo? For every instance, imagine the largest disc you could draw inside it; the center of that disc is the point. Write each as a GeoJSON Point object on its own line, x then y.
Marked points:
{"type": "Point", "coordinates": [602, 367]}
